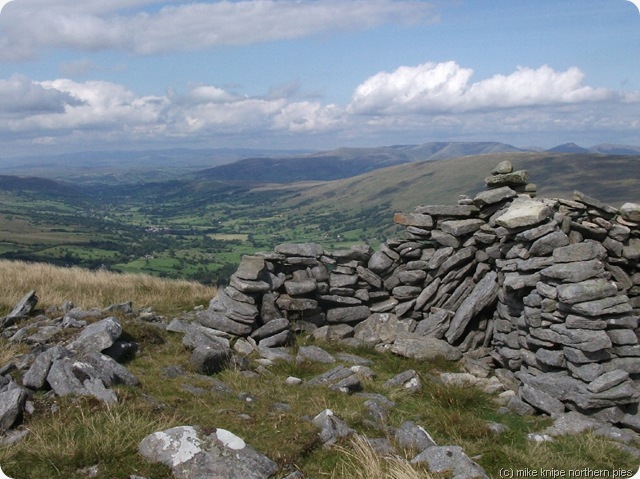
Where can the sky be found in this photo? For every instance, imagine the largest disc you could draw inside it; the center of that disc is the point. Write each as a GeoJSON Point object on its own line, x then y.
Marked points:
{"type": "Point", "coordinates": [79, 75]}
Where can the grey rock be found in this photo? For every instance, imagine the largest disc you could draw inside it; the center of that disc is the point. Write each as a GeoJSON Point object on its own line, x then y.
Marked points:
{"type": "Point", "coordinates": [574, 272]}
{"type": "Point", "coordinates": [588, 290]}
{"type": "Point", "coordinates": [608, 380]}
{"type": "Point", "coordinates": [272, 328]}
{"type": "Point", "coordinates": [461, 227]}
{"type": "Point", "coordinates": [413, 219]}
{"type": "Point", "coordinates": [192, 455]}
{"type": "Point", "coordinates": [590, 201]}
{"type": "Point", "coordinates": [11, 406]}
{"type": "Point", "coordinates": [630, 212]}
{"type": "Point", "coordinates": [493, 196]}
{"type": "Point", "coordinates": [445, 239]}
{"type": "Point", "coordinates": [523, 212]}
{"type": "Point", "coordinates": [541, 400]}
{"type": "Point", "coordinates": [313, 250]}
{"type": "Point", "coordinates": [447, 210]}
{"type": "Point", "coordinates": [109, 371]}
{"type": "Point", "coordinates": [632, 250]}
{"type": "Point", "coordinates": [483, 294]}
{"type": "Point", "coordinates": [210, 359]}
{"type": "Point", "coordinates": [288, 303]}
{"type": "Point", "coordinates": [249, 286]}
{"type": "Point", "coordinates": [601, 307]}
{"type": "Point", "coordinates": [425, 349]}
{"type": "Point", "coordinates": [97, 336]}
{"type": "Point", "coordinates": [331, 427]}
{"type": "Point", "coordinates": [251, 267]}
{"type": "Point", "coordinates": [369, 276]}
{"type": "Point", "coordinates": [623, 337]}
{"type": "Point", "coordinates": [378, 327]}
{"type": "Point", "coordinates": [348, 314]}
{"type": "Point", "coordinates": [202, 336]}
{"type": "Point", "coordinates": [314, 354]}
{"type": "Point", "coordinates": [25, 306]}
{"type": "Point", "coordinates": [380, 262]}
{"type": "Point", "coordinates": [36, 376]}
{"type": "Point", "coordinates": [631, 421]}
{"type": "Point", "coordinates": [281, 339]}
{"type": "Point", "coordinates": [547, 244]}
{"type": "Point", "coordinates": [519, 407]}
{"type": "Point", "coordinates": [413, 437]}
{"type": "Point", "coordinates": [583, 251]}
{"type": "Point", "coordinates": [407, 380]}
{"type": "Point", "coordinates": [219, 321]}
{"type": "Point", "coordinates": [434, 325]}
{"type": "Point", "coordinates": [450, 459]}
{"type": "Point", "coordinates": [571, 423]}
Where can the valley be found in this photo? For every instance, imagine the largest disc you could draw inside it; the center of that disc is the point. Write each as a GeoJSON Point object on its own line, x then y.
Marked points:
{"type": "Point", "coordinates": [198, 225]}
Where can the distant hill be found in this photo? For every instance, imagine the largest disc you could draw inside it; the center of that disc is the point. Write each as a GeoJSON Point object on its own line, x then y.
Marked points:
{"type": "Point", "coordinates": [42, 187]}
{"type": "Point", "coordinates": [614, 179]}
{"type": "Point", "coordinates": [344, 162]}
{"type": "Point", "coordinates": [604, 149]}
{"type": "Point", "coordinates": [568, 148]}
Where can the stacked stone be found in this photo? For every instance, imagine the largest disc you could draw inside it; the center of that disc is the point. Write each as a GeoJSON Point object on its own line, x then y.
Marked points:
{"type": "Point", "coordinates": [561, 319]}
{"type": "Point", "coordinates": [550, 287]}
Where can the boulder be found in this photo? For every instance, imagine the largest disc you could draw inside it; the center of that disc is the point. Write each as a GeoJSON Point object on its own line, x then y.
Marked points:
{"type": "Point", "coordinates": [11, 407]}
{"type": "Point", "coordinates": [451, 460]}
{"type": "Point", "coordinates": [522, 213]}
{"type": "Point", "coordinates": [192, 454]}
{"type": "Point", "coordinates": [97, 336]}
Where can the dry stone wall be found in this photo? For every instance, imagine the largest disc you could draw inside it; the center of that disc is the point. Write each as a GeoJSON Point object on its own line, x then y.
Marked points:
{"type": "Point", "coordinates": [546, 288]}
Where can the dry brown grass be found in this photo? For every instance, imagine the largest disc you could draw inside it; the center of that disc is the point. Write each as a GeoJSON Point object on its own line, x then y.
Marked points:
{"type": "Point", "coordinates": [360, 461]}
{"type": "Point", "coordinates": [84, 288]}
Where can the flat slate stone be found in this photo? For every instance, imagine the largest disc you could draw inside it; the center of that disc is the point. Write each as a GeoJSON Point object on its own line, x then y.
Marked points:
{"type": "Point", "coordinates": [548, 243]}
{"type": "Point", "coordinates": [483, 294]}
{"type": "Point", "coordinates": [461, 227]}
{"type": "Point", "coordinates": [522, 213]}
{"type": "Point", "coordinates": [447, 210]}
{"type": "Point", "coordinates": [97, 336]}
{"type": "Point", "coordinates": [575, 272]}
{"type": "Point", "coordinates": [425, 349]}
{"type": "Point", "coordinates": [251, 267]}
{"type": "Point", "coordinates": [586, 291]}
{"type": "Point", "coordinates": [493, 196]}
{"type": "Point", "coordinates": [541, 400]}
{"type": "Point", "coordinates": [413, 219]}
{"type": "Point", "coordinates": [312, 250]}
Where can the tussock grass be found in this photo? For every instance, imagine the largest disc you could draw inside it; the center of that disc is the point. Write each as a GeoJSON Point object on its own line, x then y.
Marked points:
{"type": "Point", "coordinates": [360, 461]}
{"type": "Point", "coordinates": [84, 433]}
{"type": "Point", "coordinates": [55, 285]}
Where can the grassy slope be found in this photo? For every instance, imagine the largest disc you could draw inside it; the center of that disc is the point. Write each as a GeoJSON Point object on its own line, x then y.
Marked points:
{"type": "Point", "coordinates": [613, 179]}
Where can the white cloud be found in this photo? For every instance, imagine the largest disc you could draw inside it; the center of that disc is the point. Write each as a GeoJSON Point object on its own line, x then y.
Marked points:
{"type": "Point", "coordinates": [34, 25]}
{"type": "Point", "coordinates": [411, 104]}
{"type": "Point", "coordinates": [445, 87]}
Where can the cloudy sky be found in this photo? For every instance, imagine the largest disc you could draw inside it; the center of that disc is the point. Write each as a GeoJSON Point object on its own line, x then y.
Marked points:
{"type": "Point", "coordinates": [126, 74]}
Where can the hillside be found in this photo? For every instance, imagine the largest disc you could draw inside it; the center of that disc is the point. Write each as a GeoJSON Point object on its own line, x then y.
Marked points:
{"type": "Point", "coordinates": [612, 179]}
{"type": "Point", "coordinates": [344, 162]}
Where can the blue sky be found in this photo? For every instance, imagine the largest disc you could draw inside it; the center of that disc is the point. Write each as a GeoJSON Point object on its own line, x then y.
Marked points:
{"type": "Point", "coordinates": [128, 74]}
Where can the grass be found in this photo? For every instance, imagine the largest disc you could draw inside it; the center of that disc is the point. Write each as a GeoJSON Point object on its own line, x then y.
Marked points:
{"type": "Point", "coordinates": [87, 289]}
